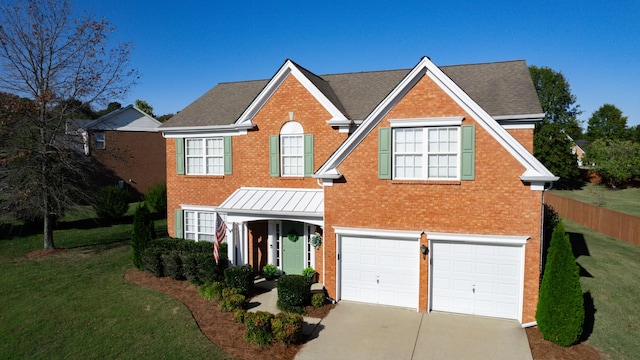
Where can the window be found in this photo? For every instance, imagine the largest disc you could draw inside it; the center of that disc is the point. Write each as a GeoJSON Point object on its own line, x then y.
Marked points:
{"type": "Point", "coordinates": [204, 156]}
{"type": "Point", "coordinates": [426, 153]}
{"type": "Point", "coordinates": [292, 155]}
{"type": "Point", "coordinates": [291, 152]}
{"type": "Point", "coordinates": [199, 225]}
{"type": "Point", "coordinates": [98, 140]}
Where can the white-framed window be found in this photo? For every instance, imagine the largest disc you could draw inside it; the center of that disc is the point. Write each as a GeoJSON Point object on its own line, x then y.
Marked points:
{"type": "Point", "coordinates": [426, 153]}
{"type": "Point", "coordinates": [292, 149]}
{"type": "Point", "coordinates": [204, 156]}
{"type": "Point", "coordinates": [292, 155]}
{"type": "Point", "coordinates": [98, 140]}
{"type": "Point", "coordinates": [199, 225]}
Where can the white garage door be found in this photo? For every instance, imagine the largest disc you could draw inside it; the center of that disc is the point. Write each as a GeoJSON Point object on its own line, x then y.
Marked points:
{"type": "Point", "coordinates": [476, 279]}
{"type": "Point", "coordinates": [380, 271]}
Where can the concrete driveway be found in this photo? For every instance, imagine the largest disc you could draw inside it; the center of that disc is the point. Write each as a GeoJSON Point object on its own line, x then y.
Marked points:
{"type": "Point", "coordinates": [361, 331]}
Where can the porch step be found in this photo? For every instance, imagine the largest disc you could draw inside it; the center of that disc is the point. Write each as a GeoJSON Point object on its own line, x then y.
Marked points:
{"type": "Point", "coordinates": [317, 288]}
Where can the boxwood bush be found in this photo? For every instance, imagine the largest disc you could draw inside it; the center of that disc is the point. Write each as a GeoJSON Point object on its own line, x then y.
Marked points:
{"type": "Point", "coordinates": [294, 293]}
{"type": "Point", "coordinates": [240, 277]}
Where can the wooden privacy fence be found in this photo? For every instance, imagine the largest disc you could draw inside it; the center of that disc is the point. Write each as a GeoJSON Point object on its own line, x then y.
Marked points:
{"type": "Point", "coordinates": [616, 224]}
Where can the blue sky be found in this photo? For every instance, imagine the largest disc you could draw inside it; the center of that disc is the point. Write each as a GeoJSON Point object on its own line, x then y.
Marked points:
{"type": "Point", "coordinates": [184, 48]}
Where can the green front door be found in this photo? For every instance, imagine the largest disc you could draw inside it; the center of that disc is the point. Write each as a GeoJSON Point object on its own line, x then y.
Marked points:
{"type": "Point", "coordinates": [292, 250]}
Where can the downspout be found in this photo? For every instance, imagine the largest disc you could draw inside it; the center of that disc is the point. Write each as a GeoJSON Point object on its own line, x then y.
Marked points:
{"type": "Point", "coordinates": [321, 184]}
{"type": "Point", "coordinates": [542, 230]}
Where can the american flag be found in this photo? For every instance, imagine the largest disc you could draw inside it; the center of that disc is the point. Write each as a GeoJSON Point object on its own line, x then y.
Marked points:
{"type": "Point", "coordinates": [221, 232]}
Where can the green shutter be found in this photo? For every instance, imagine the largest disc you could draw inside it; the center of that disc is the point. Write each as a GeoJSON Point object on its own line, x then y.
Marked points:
{"type": "Point", "coordinates": [179, 232]}
{"type": "Point", "coordinates": [384, 153]}
{"type": "Point", "coordinates": [274, 155]}
{"type": "Point", "coordinates": [467, 152]}
{"type": "Point", "coordinates": [180, 156]}
{"type": "Point", "coordinates": [227, 155]}
{"type": "Point", "coordinates": [308, 154]}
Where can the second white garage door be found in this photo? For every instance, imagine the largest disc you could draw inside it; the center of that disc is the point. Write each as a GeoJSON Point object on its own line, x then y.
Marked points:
{"type": "Point", "coordinates": [380, 271]}
{"type": "Point", "coordinates": [477, 279]}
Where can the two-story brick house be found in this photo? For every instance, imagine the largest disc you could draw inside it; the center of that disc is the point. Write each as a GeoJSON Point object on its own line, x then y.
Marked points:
{"type": "Point", "coordinates": [420, 182]}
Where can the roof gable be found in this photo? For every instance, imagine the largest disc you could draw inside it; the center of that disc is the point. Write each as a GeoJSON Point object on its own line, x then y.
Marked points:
{"type": "Point", "coordinates": [129, 118]}
{"type": "Point", "coordinates": [535, 171]}
{"type": "Point", "coordinates": [316, 86]}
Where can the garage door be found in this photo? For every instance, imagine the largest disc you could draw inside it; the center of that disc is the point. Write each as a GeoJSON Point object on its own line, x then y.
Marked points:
{"type": "Point", "coordinates": [476, 279]}
{"type": "Point", "coordinates": [380, 271]}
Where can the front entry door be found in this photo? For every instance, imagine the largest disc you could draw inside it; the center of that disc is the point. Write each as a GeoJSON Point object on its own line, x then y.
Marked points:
{"type": "Point", "coordinates": [292, 250]}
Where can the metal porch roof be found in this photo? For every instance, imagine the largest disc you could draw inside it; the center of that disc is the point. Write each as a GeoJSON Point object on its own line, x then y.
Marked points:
{"type": "Point", "coordinates": [275, 201]}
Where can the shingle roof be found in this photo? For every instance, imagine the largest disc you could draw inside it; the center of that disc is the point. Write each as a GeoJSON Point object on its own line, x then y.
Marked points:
{"type": "Point", "coordinates": [500, 88]}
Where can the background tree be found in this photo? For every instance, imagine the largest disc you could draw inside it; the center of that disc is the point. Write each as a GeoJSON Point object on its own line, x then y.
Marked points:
{"type": "Point", "coordinates": [144, 106]}
{"type": "Point", "coordinates": [616, 161]}
{"type": "Point", "coordinates": [607, 123]}
{"type": "Point", "coordinates": [560, 311]}
{"type": "Point", "coordinates": [113, 106]}
{"type": "Point", "coordinates": [49, 55]}
{"type": "Point", "coordinates": [550, 143]}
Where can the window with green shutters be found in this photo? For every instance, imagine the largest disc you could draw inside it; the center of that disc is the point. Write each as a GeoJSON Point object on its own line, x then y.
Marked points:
{"type": "Point", "coordinates": [427, 153]}
{"type": "Point", "coordinates": [291, 155]}
{"type": "Point", "coordinates": [204, 156]}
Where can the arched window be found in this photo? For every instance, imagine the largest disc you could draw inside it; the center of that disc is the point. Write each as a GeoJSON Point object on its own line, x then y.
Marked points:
{"type": "Point", "coordinates": [292, 149]}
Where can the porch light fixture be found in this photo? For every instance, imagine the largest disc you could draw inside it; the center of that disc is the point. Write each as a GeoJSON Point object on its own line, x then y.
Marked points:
{"type": "Point", "coordinates": [424, 250]}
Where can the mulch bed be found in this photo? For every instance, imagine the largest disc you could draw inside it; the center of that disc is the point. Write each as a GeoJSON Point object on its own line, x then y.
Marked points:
{"type": "Point", "coordinates": [217, 325]}
{"type": "Point", "coordinates": [211, 320]}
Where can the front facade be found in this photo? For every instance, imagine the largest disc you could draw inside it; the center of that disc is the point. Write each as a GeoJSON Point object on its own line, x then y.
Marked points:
{"type": "Point", "coordinates": [420, 183]}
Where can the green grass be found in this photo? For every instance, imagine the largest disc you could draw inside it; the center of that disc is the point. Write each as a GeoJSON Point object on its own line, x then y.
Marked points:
{"type": "Point", "coordinates": [623, 200]}
{"type": "Point", "coordinates": [612, 267]}
{"type": "Point", "coordinates": [76, 305]}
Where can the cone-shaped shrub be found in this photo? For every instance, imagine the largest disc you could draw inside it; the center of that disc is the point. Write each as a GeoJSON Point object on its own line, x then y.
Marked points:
{"type": "Point", "coordinates": [142, 234]}
{"type": "Point", "coordinates": [560, 312]}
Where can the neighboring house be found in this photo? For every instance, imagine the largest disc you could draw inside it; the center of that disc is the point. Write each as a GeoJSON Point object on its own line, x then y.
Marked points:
{"type": "Point", "coordinates": [421, 182]}
{"type": "Point", "coordinates": [577, 149]}
{"type": "Point", "coordinates": [128, 144]}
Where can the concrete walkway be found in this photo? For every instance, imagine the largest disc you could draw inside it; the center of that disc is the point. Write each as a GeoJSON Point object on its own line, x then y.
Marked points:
{"type": "Point", "coordinates": [362, 331]}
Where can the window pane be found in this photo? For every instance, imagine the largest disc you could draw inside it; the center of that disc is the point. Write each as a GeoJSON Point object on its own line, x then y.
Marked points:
{"type": "Point", "coordinates": [292, 155]}
{"type": "Point", "coordinates": [215, 165]}
{"type": "Point", "coordinates": [215, 147]}
{"type": "Point", "coordinates": [194, 165]}
{"type": "Point", "coordinates": [194, 147]}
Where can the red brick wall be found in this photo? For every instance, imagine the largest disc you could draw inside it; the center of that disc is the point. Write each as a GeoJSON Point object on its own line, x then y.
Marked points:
{"type": "Point", "coordinates": [136, 155]}
{"type": "Point", "coordinates": [251, 152]}
{"type": "Point", "coordinates": [524, 137]}
{"type": "Point", "coordinates": [496, 202]}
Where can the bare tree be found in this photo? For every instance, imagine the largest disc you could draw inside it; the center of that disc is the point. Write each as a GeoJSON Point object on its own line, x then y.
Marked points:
{"type": "Point", "coordinates": [50, 56]}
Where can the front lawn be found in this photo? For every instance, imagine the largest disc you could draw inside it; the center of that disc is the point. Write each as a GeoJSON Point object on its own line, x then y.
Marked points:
{"type": "Point", "coordinates": [610, 270]}
{"type": "Point", "coordinates": [76, 304]}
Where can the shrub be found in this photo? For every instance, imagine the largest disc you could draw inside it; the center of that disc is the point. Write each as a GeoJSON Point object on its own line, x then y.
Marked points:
{"type": "Point", "coordinates": [240, 277]}
{"type": "Point", "coordinates": [294, 292]}
{"type": "Point", "coordinates": [317, 300]}
{"type": "Point", "coordinates": [270, 271]}
{"type": "Point", "coordinates": [152, 260]}
{"type": "Point", "coordinates": [287, 327]}
{"type": "Point", "coordinates": [258, 328]}
{"type": "Point", "coordinates": [112, 202]}
{"type": "Point", "coordinates": [560, 311]}
{"type": "Point", "coordinates": [142, 234]}
{"type": "Point", "coordinates": [232, 302]}
{"type": "Point", "coordinates": [212, 291]}
{"type": "Point", "coordinates": [156, 197]}
{"type": "Point", "coordinates": [308, 271]}
{"type": "Point", "coordinates": [172, 263]}
{"type": "Point", "coordinates": [238, 315]}
{"type": "Point", "coordinates": [190, 268]}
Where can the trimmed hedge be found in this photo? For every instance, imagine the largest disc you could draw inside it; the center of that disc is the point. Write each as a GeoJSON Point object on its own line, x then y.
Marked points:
{"type": "Point", "coordinates": [240, 277]}
{"type": "Point", "coordinates": [294, 293]}
{"type": "Point", "coordinates": [184, 259]}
